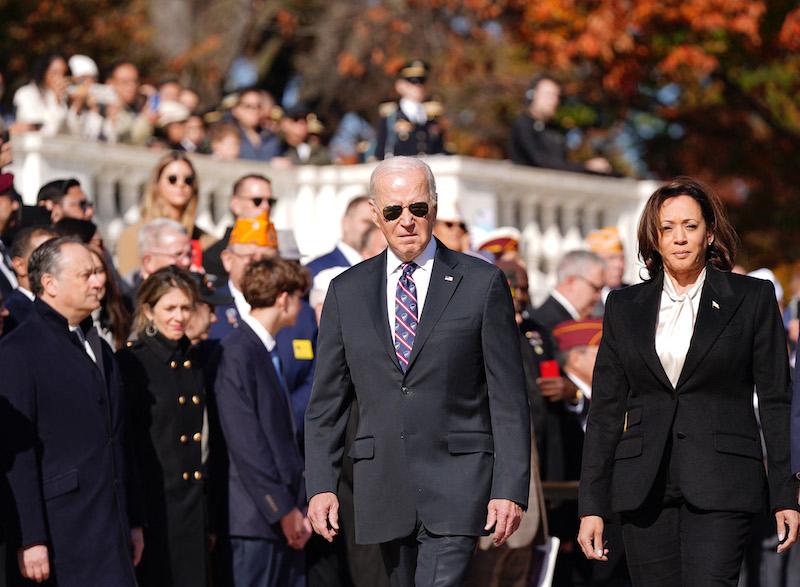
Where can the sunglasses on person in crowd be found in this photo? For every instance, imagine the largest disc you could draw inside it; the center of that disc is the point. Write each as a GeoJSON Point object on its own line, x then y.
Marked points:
{"type": "Point", "coordinates": [84, 205]}
{"type": "Point", "coordinates": [450, 224]}
{"type": "Point", "coordinates": [418, 209]}
{"type": "Point", "coordinates": [187, 179]}
{"type": "Point", "coordinates": [258, 200]}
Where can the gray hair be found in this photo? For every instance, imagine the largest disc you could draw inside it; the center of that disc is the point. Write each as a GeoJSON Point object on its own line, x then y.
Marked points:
{"type": "Point", "coordinates": [399, 165]}
{"type": "Point", "coordinates": [150, 234]}
{"type": "Point", "coordinates": [577, 263]}
{"type": "Point", "coordinates": [46, 259]}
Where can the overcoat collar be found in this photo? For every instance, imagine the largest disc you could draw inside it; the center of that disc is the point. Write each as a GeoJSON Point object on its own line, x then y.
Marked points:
{"type": "Point", "coordinates": [718, 304]}
{"type": "Point", "coordinates": [444, 280]}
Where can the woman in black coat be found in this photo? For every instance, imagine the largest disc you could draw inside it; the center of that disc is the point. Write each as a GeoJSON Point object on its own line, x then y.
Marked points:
{"type": "Point", "coordinates": [164, 387]}
{"type": "Point", "coordinates": [672, 442]}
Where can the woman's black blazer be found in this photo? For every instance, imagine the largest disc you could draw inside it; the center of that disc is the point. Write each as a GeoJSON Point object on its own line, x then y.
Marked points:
{"type": "Point", "coordinates": [738, 344]}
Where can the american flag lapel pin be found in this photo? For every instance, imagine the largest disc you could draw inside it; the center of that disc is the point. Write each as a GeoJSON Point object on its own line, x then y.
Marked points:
{"type": "Point", "coordinates": [448, 278]}
{"type": "Point", "coordinates": [714, 305]}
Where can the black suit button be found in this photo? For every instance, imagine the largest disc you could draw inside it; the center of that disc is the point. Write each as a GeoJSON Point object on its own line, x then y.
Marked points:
{"type": "Point", "coordinates": [681, 435]}
{"type": "Point", "coordinates": [402, 436]}
{"type": "Point", "coordinates": [404, 390]}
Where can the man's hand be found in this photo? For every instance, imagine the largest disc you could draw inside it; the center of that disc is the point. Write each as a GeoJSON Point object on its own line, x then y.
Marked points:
{"type": "Point", "coordinates": [557, 389]}
{"type": "Point", "coordinates": [790, 518]}
{"type": "Point", "coordinates": [590, 538]}
{"type": "Point", "coordinates": [34, 564]}
{"type": "Point", "coordinates": [505, 516]}
{"type": "Point", "coordinates": [599, 165]}
{"type": "Point", "coordinates": [295, 529]}
{"type": "Point", "coordinates": [323, 510]}
{"type": "Point", "coordinates": [137, 545]}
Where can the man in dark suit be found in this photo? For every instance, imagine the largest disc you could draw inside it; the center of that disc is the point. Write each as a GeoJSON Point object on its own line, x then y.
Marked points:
{"type": "Point", "coordinates": [420, 336]}
{"type": "Point", "coordinates": [19, 302]}
{"type": "Point", "coordinates": [9, 207]}
{"type": "Point", "coordinates": [410, 126]}
{"type": "Point", "coordinates": [355, 223]}
{"type": "Point", "coordinates": [74, 518]}
{"type": "Point", "coordinates": [265, 521]}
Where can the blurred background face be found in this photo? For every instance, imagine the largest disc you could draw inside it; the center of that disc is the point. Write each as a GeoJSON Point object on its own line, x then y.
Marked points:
{"type": "Point", "coordinates": [55, 78]}
{"type": "Point", "coordinates": [295, 130]}
{"type": "Point", "coordinates": [356, 224]}
{"type": "Point", "coordinates": [75, 289]}
{"type": "Point", "coordinates": [74, 204]}
{"type": "Point", "coordinates": [200, 322]}
{"type": "Point", "coordinates": [545, 100]}
{"type": "Point", "coordinates": [171, 313]}
{"type": "Point", "coordinates": [175, 184]}
{"type": "Point", "coordinates": [169, 92]}
{"type": "Point", "coordinates": [195, 130]}
{"type": "Point", "coordinates": [101, 274]}
{"type": "Point", "coordinates": [226, 148]}
{"type": "Point", "coordinates": [125, 81]}
{"type": "Point", "coordinates": [8, 206]}
{"type": "Point", "coordinates": [584, 291]}
{"type": "Point", "coordinates": [451, 233]}
{"type": "Point", "coordinates": [237, 257]}
{"type": "Point", "coordinates": [174, 248]}
{"type": "Point", "coordinates": [410, 91]}
{"type": "Point", "coordinates": [248, 111]}
{"type": "Point", "coordinates": [252, 198]}
{"type": "Point", "coordinates": [615, 268]}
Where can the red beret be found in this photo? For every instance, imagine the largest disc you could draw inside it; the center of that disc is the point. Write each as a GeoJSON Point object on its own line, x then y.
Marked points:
{"type": "Point", "coordinates": [6, 182]}
{"type": "Point", "coordinates": [575, 333]}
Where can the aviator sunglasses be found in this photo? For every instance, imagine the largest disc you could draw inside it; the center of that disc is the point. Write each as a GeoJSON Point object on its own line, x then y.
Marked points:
{"type": "Point", "coordinates": [188, 179]}
{"type": "Point", "coordinates": [418, 209]}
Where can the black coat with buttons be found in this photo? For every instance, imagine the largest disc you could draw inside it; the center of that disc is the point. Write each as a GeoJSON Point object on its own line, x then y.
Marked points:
{"type": "Point", "coordinates": [164, 387]}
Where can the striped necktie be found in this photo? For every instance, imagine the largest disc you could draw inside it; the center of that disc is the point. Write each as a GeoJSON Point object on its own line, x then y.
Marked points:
{"type": "Point", "coordinates": [406, 314]}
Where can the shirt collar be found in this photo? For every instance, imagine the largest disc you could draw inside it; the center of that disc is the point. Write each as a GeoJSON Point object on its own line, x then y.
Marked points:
{"type": "Point", "coordinates": [424, 260]}
{"type": "Point", "coordinates": [238, 300]}
{"type": "Point", "coordinates": [262, 333]}
{"type": "Point", "coordinates": [585, 388]}
{"type": "Point", "coordinates": [26, 293]}
{"type": "Point", "coordinates": [691, 293]}
{"type": "Point", "coordinates": [559, 297]}
{"type": "Point", "coordinates": [352, 256]}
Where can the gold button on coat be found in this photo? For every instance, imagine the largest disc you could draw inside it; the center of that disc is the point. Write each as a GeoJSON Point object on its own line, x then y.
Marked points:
{"type": "Point", "coordinates": [197, 436]}
{"type": "Point", "coordinates": [184, 439]}
{"type": "Point", "coordinates": [196, 400]}
{"type": "Point", "coordinates": [198, 475]}
{"type": "Point", "coordinates": [186, 476]}
{"type": "Point", "coordinates": [173, 364]}
{"type": "Point", "coordinates": [182, 400]}
{"type": "Point", "coordinates": [187, 364]}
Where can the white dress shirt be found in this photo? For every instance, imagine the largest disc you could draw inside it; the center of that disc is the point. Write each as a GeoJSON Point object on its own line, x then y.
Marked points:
{"type": "Point", "coordinates": [586, 390]}
{"type": "Point", "coordinates": [238, 300]}
{"type": "Point", "coordinates": [353, 257]}
{"type": "Point", "coordinates": [262, 333]}
{"type": "Point", "coordinates": [566, 303]}
{"type": "Point", "coordinates": [414, 111]}
{"type": "Point", "coordinates": [421, 277]}
{"type": "Point", "coordinates": [77, 330]}
{"type": "Point", "coordinates": [676, 318]}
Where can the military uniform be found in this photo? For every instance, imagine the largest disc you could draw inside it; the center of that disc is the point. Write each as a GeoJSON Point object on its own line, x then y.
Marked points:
{"type": "Point", "coordinates": [164, 388]}
{"type": "Point", "coordinates": [398, 135]}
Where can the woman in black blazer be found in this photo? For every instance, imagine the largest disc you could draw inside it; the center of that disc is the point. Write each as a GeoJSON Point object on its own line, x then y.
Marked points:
{"type": "Point", "coordinates": [672, 442]}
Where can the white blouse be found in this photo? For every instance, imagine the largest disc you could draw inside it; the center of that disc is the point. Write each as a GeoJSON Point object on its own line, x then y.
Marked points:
{"type": "Point", "coordinates": [676, 317]}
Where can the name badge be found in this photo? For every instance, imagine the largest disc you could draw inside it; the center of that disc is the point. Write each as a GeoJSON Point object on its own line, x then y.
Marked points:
{"type": "Point", "coordinates": [303, 351]}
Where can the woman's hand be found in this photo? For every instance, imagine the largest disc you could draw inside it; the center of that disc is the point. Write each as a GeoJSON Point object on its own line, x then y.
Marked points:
{"type": "Point", "coordinates": [590, 537]}
{"type": "Point", "coordinates": [784, 518]}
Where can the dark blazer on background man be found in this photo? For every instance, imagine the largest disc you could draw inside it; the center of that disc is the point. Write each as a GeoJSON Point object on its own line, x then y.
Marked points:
{"type": "Point", "coordinates": [436, 443]}
{"type": "Point", "coordinates": [551, 313]}
{"type": "Point", "coordinates": [795, 432]}
{"type": "Point", "coordinates": [68, 473]}
{"type": "Point", "coordinates": [738, 344]}
{"type": "Point", "coordinates": [19, 306]}
{"type": "Point", "coordinates": [334, 258]}
{"type": "Point", "coordinates": [265, 471]}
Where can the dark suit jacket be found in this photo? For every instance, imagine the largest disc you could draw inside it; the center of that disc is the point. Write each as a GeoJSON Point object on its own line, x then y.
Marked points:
{"type": "Point", "coordinates": [212, 261]}
{"type": "Point", "coordinates": [434, 444]}
{"type": "Point", "coordinates": [293, 342]}
{"type": "Point", "coordinates": [551, 313]}
{"type": "Point", "coordinates": [69, 473]}
{"type": "Point", "coordinates": [795, 432]}
{"type": "Point", "coordinates": [335, 258]}
{"type": "Point", "coordinates": [738, 343]}
{"type": "Point", "coordinates": [19, 307]}
{"type": "Point", "coordinates": [265, 473]}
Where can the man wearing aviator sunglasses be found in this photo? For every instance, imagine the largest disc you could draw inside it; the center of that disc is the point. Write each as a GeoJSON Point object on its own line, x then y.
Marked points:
{"type": "Point", "coordinates": [424, 339]}
{"type": "Point", "coordinates": [252, 196]}
{"type": "Point", "coordinates": [65, 198]}
{"type": "Point", "coordinates": [410, 125]}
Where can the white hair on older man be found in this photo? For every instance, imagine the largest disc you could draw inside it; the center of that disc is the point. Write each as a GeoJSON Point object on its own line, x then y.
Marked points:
{"type": "Point", "coordinates": [577, 263]}
{"type": "Point", "coordinates": [396, 165]}
{"type": "Point", "coordinates": [151, 233]}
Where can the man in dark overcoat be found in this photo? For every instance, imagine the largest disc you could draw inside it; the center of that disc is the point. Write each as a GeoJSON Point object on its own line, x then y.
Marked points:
{"type": "Point", "coordinates": [75, 513]}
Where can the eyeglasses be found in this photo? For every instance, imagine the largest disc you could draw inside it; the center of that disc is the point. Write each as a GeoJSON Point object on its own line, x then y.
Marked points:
{"type": "Point", "coordinates": [82, 204]}
{"type": "Point", "coordinates": [418, 209]}
{"type": "Point", "coordinates": [250, 106]}
{"type": "Point", "coordinates": [179, 255]}
{"type": "Point", "coordinates": [187, 179]}
{"type": "Point", "coordinates": [417, 81]}
{"type": "Point", "coordinates": [450, 224]}
{"type": "Point", "coordinates": [594, 286]}
{"type": "Point", "coordinates": [258, 200]}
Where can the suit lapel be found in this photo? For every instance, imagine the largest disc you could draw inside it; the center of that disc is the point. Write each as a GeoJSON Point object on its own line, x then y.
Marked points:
{"type": "Point", "coordinates": [376, 305]}
{"type": "Point", "coordinates": [643, 327]}
{"type": "Point", "coordinates": [440, 291]}
{"type": "Point", "coordinates": [718, 304]}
